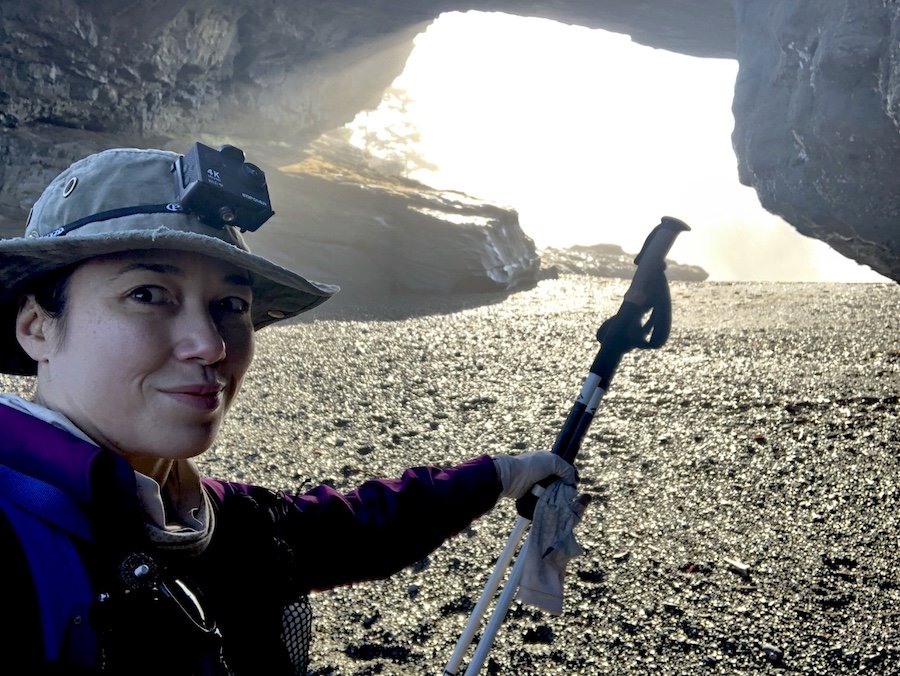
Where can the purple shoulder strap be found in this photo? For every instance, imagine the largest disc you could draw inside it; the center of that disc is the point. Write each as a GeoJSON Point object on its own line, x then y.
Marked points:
{"type": "Point", "coordinates": [45, 520]}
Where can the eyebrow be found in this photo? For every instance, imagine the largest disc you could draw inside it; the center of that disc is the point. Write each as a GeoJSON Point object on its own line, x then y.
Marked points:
{"type": "Point", "coordinates": [167, 269]}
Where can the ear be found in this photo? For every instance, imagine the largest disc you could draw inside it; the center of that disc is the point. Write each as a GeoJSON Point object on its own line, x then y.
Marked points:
{"type": "Point", "coordinates": [33, 329]}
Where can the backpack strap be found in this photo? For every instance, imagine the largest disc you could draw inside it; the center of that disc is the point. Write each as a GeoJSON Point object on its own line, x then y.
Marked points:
{"type": "Point", "coordinates": [45, 519]}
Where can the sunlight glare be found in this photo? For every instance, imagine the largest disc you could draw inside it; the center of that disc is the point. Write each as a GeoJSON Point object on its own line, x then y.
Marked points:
{"type": "Point", "coordinates": [593, 138]}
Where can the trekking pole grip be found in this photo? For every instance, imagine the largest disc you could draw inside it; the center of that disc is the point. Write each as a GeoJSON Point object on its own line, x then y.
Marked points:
{"type": "Point", "coordinates": [652, 260]}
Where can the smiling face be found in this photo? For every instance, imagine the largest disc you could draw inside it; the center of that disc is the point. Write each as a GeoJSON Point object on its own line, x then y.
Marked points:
{"type": "Point", "coordinates": [149, 354]}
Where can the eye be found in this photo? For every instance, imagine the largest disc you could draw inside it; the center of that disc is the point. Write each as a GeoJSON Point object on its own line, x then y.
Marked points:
{"type": "Point", "coordinates": [152, 295]}
{"type": "Point", "coordinates": [234, 304]}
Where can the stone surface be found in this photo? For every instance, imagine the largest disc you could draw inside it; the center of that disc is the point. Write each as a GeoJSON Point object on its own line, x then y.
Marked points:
{"type": "Point", "coordinates": [607, 260]}
{"type": "Point", "coordinates": [816, 101]}
{"type": "Point", "coordinates": [342, 222]}
{"type": "Point", "coordinates": [817, 120]}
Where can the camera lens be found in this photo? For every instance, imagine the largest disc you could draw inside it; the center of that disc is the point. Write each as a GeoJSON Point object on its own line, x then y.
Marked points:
{"type": "Point", "coordinates": [254, 174]}
{"type": "Point", "coordinates": [227, 214]}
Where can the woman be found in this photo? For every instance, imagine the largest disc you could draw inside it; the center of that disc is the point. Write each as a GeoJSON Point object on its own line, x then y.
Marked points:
{"type": "Point", "coordinates": [137, 321]}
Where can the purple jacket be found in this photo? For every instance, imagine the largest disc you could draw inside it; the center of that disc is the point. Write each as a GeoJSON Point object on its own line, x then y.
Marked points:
{"type": "Point", "coordinates": [270, 546]}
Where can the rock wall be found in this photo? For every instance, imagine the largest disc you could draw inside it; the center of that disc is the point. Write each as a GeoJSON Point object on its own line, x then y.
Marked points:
{"type": "Point", "coordinates": [816, 101]}
{"type": "Point", "coordinates": [178, 66]}
{"type": "Point", "coordinates": [817, 120]}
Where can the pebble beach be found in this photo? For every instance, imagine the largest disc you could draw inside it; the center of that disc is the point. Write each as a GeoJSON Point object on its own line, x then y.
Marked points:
{"type": "Point", "coordinates": [745, 477]}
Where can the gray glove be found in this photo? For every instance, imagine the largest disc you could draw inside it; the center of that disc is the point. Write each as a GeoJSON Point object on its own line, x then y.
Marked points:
{"type": "Point", "coordinates": [520, 472]}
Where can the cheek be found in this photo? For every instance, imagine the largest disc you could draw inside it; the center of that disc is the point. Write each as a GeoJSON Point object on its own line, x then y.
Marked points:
{"type": "Point", "coordinates": [242, 349]}
{"type": "Point", "coordinates": [114, 351]}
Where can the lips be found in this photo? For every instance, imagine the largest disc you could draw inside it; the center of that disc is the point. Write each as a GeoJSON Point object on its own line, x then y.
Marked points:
{"type": "Point", "coordinates": [204, 397]}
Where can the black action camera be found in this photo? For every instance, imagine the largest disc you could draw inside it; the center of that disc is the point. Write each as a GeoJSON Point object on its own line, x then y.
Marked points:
{"type": "Point", "coordinates": [220, 188]}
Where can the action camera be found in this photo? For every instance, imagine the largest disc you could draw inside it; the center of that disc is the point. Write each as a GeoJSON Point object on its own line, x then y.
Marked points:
{"type": "Point", "coordinates": [220, 188]}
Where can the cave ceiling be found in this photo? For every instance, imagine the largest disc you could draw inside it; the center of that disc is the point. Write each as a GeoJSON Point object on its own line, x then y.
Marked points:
{"type": "Point", "coordinates": [816, 107]}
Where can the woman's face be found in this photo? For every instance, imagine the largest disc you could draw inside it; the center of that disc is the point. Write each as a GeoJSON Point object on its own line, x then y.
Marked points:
{"type": "Point", "coordinates": [153, 352]}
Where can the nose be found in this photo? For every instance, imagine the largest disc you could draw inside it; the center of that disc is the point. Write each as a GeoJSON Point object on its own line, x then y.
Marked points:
{"type": "Point", "coordinates": [199, 338]}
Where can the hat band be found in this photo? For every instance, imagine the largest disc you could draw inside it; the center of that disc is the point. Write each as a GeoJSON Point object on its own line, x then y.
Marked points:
{"type": "Point", "coordinates": [171, 207]}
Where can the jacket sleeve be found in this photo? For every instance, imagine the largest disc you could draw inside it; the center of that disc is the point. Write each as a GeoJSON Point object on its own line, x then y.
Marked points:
{"type": "Point", "coordinates": [382, 526]}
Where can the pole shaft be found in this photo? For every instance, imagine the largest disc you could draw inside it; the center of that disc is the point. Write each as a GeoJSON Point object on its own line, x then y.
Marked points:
{"type": "Point", "coordinates": [498, 615]}
{"type": "Point", "coordinates": [564, 438]}
{"type": "Point", "coordinates": [490, 587]}
{"type": "Point", "coordinates": [619, 334]}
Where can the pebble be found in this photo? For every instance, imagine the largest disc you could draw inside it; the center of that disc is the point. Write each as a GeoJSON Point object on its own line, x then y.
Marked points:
{"type": "Point", "coordinates": [772, 654]}
{"type": "Point", "coordinates": [738, 566]}
{"type": "Point", "coordinates": [810, 368]}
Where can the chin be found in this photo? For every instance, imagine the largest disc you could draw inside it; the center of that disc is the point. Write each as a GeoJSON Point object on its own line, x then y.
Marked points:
{"type": "Point", "coordinates": [182, 449]}
{"type": "Point", "coordinates": [192, 451]}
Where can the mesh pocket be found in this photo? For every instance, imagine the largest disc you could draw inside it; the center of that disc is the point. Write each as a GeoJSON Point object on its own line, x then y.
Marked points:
{"type": "Point", "coordinates": [296, 633]}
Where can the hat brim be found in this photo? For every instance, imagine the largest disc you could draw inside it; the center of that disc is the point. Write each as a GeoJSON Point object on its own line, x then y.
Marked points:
{"type": "Point", "coordinates": [278, 293]}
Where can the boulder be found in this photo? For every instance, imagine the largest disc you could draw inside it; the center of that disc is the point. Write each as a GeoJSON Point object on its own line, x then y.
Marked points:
{"type": "Point", "coordinates": [342, 221]}
{"type": "Point", "coordinates": [607, 260]}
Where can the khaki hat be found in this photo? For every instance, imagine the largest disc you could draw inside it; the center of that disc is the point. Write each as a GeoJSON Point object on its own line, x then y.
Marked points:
{"type": "Point", "coordinates": [124, 199]}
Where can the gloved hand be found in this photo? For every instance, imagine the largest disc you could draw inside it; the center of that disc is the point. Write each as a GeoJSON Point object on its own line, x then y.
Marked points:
{"type": "Point", "coordinates": [518, 473]}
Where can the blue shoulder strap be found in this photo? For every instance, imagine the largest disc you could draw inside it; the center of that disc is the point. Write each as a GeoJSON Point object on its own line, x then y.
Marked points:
{"type": "Point", "coordinates": [44, 518]}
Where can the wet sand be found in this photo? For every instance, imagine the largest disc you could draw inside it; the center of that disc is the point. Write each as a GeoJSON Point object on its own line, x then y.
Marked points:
{"type": "Point", "coordinates": [745, 476]}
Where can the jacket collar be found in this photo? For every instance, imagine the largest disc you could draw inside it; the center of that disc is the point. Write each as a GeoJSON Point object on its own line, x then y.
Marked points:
{"type": "Point", "coordinates": [54, 455]}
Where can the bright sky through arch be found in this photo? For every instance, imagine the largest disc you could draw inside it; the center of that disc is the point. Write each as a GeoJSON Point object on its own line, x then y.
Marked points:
{"type": "Point", "coordinates": [592, 138]}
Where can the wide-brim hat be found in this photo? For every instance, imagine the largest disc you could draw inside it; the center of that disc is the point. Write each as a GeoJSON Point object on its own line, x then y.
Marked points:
{"type": "Point", "coordinates": [138, 183]}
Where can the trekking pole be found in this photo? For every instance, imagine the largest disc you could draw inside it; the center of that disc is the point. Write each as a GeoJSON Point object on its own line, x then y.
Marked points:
{"type": "Point", "coordinates": [621, 333]}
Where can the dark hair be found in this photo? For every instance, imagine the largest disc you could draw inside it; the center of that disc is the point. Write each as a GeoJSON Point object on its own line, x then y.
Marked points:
{"type": "Point", "coordinates": [50, 292]}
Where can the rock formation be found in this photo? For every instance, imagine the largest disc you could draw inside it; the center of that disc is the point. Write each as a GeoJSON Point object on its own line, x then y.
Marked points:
{"type": "Point", "coordinates": [817, 120]}
{"type": "Point", "coordinates": [817, 99]}
{"type": "Point", "coordinates": [607, 260]}
{"type": "Point", "coordinates": [373, 234]}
